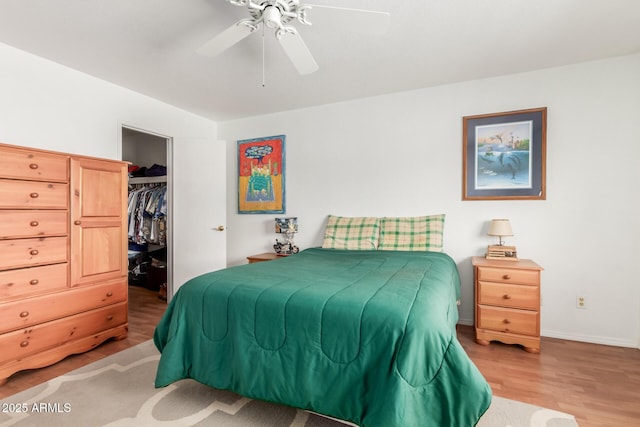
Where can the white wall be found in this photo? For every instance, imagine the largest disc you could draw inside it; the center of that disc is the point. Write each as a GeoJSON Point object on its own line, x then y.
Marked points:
{"type": "Point", "coordinates": [45, 105]}
{"type": "Point", "coordinates": [401, 154]}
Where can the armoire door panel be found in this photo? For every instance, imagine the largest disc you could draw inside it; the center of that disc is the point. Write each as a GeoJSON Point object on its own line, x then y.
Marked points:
{"type": "Point", "coordinates": [105, 241]}
{"type": "Point", "coordinates": [97, 192]}
{"type": "Point", "coordinates": [98, 212]}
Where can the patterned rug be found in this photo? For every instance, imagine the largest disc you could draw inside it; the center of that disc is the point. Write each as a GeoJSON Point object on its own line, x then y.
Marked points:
{"type": "Point", "coordinates": [119, 391]}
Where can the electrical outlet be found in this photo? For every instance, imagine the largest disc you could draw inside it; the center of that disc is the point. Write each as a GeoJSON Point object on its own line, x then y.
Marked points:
{"type": "Point", "coordinates": [581, 302]}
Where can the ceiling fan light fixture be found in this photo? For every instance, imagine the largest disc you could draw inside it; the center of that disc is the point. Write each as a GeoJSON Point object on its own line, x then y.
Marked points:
{"type": "Point", "coordinates": [272, 17]}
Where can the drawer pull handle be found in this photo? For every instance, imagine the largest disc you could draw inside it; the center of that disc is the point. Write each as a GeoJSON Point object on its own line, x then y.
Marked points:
{"type": "Point", "coordinates": [33, 166]}
{"type": "Point", "coordinates": [34, 252]}
{"type": "Point", "coordinates": [34, 282]}
{"type": "Point", "coordinates": [506, 321]}
{"type": "Point", "coordinates": [34, 195]}
{"type": "Point", "coordinates": [77, 222]}
{"type": "Point", "coordinates": [506, 277]}
{"type": "Point", "coordinates": [24, 343]}
{"type": "Point", "coordinates": [24, 314]}
{"type": "Point", "coordinates": [506, 296]}
{"type": "Point", "coordinates": [110, 317]}
{"type": "Point", "coordinates": [109, 294]}
{"type": "Point", "coordinates": [34, 223]}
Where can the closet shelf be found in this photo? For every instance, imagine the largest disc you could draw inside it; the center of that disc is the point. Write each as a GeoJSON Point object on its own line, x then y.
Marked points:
{"type": "Point", "coordinates": [147, 179]}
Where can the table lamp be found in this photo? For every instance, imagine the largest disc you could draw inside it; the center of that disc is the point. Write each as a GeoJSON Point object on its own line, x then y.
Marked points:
{"type": "Point", "coordinates": [288, 227]}
{"type": "Point", "coordinates": [500, 228]}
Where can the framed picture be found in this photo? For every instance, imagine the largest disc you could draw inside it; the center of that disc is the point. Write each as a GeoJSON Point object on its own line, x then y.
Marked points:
{"type": "Point", "coordinates": [504, 155]}
{"type": "Point", "coordinates": [261, 184]}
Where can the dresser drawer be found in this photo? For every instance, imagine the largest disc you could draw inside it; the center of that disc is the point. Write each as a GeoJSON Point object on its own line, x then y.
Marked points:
{"type": "Point", "coordinates": [32, 252]}
{"type": "Point", "coordinates": [508, 295]}
{"type": "Point", "coordinates": [508, 320]}
{"type": "Point", "coordinates": [33, 195]}
{"type": "Point", "coordinates": [28, 312]}
{"type": "Point", "coordinates": [32, 165]}
{"type": "Point", "coordinates": [509, 275]}
{"type": "Point", "coordinates": [26, 282]}
{"type": "Point", "coordinates": [33, 223]}
{"type": "Point", "coordinates": [24, 342]}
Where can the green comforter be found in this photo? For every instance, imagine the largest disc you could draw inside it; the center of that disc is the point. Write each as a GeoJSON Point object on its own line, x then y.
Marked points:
{"type": "Point", "coordinates": [364, 336]}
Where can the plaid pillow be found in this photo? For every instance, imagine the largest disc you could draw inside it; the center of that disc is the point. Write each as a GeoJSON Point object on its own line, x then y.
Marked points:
{"type": "Point", "coordinates": [423, 233]}
{"type": "Point", "coordinates": [353, 233]}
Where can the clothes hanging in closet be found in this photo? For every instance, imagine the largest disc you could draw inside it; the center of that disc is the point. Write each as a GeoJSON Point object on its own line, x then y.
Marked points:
{"type": "Point", "coordinates": [147, 214]}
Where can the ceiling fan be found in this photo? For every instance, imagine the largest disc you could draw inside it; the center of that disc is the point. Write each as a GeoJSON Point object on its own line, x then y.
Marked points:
{"type": "Point", "coordinates": [278, 15]}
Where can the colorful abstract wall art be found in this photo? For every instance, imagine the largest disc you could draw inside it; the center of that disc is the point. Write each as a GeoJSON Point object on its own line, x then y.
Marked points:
{"type": "Point", "coordinates": [261, 183]}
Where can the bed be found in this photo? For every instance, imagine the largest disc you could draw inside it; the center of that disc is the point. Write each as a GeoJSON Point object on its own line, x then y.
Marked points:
{"type": "Point", "coordinates": [366, 336]}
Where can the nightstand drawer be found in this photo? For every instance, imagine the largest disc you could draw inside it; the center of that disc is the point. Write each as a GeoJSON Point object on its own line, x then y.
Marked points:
{"type": "Point", "coordinates": [508, 320]}
{"type": "Point", "coordinates": [508, 295]}
{"type": "Point", "coordinates": [509, 275]}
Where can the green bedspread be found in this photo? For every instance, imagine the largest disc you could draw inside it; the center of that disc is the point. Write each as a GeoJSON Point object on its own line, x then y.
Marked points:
{"type": "Point", "coordinates": [364, 336]}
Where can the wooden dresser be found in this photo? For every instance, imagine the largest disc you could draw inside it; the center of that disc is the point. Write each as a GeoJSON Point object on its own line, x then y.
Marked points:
{"type": "Point", "coordinates": [63, 256]}
{"type": "Point", "coordinates": [507, 302]}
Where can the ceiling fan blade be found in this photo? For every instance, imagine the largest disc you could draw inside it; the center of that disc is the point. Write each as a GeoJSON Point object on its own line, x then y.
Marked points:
{"type": "Point", "coordinates": [225, 39]}
{"type": "Point", "coordinates": [360, 20]}
{"type": "Point", "coordinates": [298, 52]}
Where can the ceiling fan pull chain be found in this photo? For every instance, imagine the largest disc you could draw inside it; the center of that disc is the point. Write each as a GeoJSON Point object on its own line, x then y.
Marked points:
{"type": "Point", "coordinates": [263, 73]}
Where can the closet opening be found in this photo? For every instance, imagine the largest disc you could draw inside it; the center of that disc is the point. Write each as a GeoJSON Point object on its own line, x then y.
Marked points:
{"type": "Point", "coordinates": [149, 212]}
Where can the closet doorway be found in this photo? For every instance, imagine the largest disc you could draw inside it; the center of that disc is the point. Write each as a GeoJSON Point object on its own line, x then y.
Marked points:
{"type": "Point", "coordinates": [150, 219]}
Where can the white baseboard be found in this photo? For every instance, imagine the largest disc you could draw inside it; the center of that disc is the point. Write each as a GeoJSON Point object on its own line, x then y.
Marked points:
{"type": "Point", "coordinates": [465, 322]}
{"type": "Point", "coordinates": [576, 337]}
{"type": "Point", "coordinates": [590, 339]}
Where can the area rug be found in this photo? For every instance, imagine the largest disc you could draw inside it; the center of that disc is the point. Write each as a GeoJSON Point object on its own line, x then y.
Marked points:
{"type": "Point", "coordinates": [118, 391]}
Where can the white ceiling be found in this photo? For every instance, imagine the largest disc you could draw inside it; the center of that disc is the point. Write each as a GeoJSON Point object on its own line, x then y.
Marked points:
{"type": "Point", "coordinates": [149, 46]}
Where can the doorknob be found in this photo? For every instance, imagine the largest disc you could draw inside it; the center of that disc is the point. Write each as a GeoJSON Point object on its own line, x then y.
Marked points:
{"type": "Point", "coordinates": [220, 228]}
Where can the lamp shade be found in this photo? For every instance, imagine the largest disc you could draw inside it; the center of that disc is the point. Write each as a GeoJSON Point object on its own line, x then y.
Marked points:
{"type": "Point", "coordinates": [287, 225]}
{"type": "Point", "coordinates": [500, 227]}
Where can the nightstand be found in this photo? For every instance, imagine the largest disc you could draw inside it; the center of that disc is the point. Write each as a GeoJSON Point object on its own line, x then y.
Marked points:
{"type": "Point", "coordinates": [507, 302]}
{"type": "Point", "coordinates": [267, 256]}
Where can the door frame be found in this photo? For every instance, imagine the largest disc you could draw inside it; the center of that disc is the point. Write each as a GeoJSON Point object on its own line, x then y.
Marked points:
{"type": "Point", "coordinates": [170, 227]}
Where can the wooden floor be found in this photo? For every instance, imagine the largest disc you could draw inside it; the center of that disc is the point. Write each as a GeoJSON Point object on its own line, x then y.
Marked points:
{"type": "Point", "coordinates": [600, 385]}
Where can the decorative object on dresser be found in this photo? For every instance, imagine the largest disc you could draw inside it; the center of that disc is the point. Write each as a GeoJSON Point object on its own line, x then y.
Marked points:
{"type": "Point", "coordinates": [507, 302]}
{"type": "Point", "coordinates": [501, 228]}
{"type": "Point", "coordinates": [63, 256]}
{"type": "Point", "coordinates": [288, 227]}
